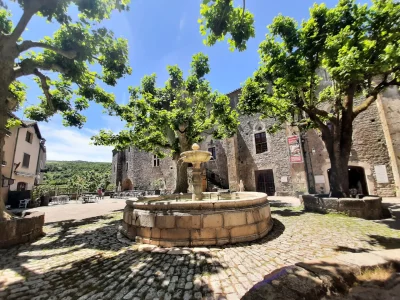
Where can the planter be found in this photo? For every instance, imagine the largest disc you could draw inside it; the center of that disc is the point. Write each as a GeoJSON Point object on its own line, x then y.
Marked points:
{"type": "Point", "coordinates": [22, 230]}
{"type": "Point", "coordinates": [44, 200]}
{"type": "Point", "coordinates": [365, 208]}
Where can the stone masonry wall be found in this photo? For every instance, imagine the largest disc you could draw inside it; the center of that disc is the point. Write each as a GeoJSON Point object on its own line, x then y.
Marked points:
{"type": "Point", "coordinates": [219, 165]}
{"type": "Point", "coordinates": [369, 149]}
{"type": "Point", "coordinates": [389, 107]}
{"type": "Point", "coordinates": [236, 158]}
{"type": "Point", "coordinates": [276, 158]}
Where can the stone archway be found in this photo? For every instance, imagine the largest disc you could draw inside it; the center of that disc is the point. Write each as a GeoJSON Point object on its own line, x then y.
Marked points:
{"type": "Point", "coordinates": [127, 185]}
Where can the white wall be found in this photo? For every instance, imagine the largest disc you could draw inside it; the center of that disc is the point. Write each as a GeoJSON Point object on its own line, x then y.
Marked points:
{"type": "Point", "coordinates": [29, 148]}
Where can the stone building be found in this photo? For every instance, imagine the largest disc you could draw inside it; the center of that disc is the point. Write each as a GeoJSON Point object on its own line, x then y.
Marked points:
{"type": "Point", "coordinates": [265, 162]}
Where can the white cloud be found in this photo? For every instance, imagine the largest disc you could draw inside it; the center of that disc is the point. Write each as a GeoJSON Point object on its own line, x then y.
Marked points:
{"type": "Point", "coordinates": [182, 22]}
{"type": "Point", "coordinates": [67, 143]}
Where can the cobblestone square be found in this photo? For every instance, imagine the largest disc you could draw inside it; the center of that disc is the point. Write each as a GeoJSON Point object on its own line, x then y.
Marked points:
{"type": "Point", "coordinates": [85, 260]}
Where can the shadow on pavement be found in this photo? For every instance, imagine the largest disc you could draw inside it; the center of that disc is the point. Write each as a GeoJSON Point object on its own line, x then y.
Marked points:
{"type": "Point", "coordinates": [111, 271]}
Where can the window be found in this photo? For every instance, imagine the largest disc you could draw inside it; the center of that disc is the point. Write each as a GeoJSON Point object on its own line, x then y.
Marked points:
{"type": "Point", "coordinates": [212, 151]}
{"type": "Point", "coordinates": [21, 186]}
{"type": "Point", "coordinates": [156, 161]}
{"type": "Point", "coordinates": [261, 142]}
{"type": "Point", "coordinates": [25, 162]}
{"type": "Point", "coordinates": [28, 137]}
{"type": "Point", "coordinates": [127, 166]}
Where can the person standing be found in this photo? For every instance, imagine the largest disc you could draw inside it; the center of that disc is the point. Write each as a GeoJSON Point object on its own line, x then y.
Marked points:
{"type": "Point", "coordinates": [99, 193]}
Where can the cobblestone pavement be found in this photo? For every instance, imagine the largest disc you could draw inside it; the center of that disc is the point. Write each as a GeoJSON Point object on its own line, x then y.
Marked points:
{"type": "Point", "coordinates": [85, 260]}
{"type": "Point", "coordinates": [76, 210]}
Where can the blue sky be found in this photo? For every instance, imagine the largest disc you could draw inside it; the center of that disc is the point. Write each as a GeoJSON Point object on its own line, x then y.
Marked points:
{"type": "Point", "coordinates": [160, 33]}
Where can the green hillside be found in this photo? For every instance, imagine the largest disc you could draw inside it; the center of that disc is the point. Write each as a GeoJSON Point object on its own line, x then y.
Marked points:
{"type": "Point", "coordinates": [60, 172]}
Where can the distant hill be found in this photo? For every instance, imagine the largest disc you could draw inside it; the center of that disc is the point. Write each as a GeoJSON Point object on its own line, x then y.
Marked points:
{"type": "Point", "coordinates": [58, 172]}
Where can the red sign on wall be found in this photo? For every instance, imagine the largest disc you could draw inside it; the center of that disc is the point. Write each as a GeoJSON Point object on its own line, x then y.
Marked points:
{"type": "Point", "coordinates": [295, 149]}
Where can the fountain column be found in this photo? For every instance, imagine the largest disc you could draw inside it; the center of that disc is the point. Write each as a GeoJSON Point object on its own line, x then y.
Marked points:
{"type": "Point", "coordinates": [197, 184]}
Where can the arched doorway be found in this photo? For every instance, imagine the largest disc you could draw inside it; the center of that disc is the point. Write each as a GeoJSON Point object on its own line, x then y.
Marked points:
{"type": "Point", "coordinates": [357, 180]}
{"type": "Point", "coordinates": [127, 185]}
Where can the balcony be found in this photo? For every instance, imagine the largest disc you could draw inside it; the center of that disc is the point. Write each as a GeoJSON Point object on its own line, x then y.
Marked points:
{"type": "Point", "coordinates": [3, 163]}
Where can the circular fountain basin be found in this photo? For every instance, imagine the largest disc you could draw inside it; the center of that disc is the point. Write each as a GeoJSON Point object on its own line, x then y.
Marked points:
{"type": "Point", "coordinates": [176, 220]}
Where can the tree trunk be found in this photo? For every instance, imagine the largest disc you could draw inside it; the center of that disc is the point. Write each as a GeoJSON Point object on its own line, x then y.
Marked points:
{"type": "Point", "coordinates": [338, 145]}
{"type": "Point", "coordinates": [181, 175]}
{"type": "Point", "coordinates": [339, 177]}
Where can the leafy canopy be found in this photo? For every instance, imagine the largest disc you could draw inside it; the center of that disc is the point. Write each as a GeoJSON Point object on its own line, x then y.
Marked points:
{"type": "Point", "coordinates": [219, 19]}
{"type": "Point", "coordinates": [174, 116]}
{"type": "Point", "coordinates": [357, 45]}
{"type": "Point", "coordinates": [73, 52]}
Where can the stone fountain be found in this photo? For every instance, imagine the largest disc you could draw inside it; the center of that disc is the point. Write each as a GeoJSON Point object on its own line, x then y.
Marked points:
{"type": "Point", "coordinates": [196, 157]}
{"type": "Point", "coordinates": [198, 219]}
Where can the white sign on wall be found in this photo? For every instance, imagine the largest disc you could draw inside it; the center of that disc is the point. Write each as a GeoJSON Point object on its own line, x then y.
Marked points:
{"type": "Point", "coordinates": [319, 178]}
{"type": "Point", "coordinates": [381, 174]}
{"type": "Point", "coordinates": [284, 179]}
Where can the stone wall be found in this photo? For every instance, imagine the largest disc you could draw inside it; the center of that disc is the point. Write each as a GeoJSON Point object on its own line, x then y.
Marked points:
{"type": "Point", "coordinates": [18, 231]}
{"type": "Point", "coordinates": [138, 167]}
{"type": "Point", "coordinates": [276, 158]}
{"type": "Point", "coordinates": [366, 208]}
{"type": "Point", "coordinates": [236, 158]}
{"type": "Point", "coordinates": [219, 165]}
{"type": "Point", "coordinates": [368, 150]}
{"type": "Point", "coordinates": [389, 111]}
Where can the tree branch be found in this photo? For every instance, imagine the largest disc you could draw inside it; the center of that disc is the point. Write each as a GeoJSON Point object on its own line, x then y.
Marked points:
{"type": "Point", "coordinates": [372, 96]}
{"type": "Point", "coordinates": [45, 88]}
{"type": "Point", "coordinates": [26, 45]}
{"type": "Point", "coordinates": [28, 66]}
{"type": "Point", "coordinates": [22, 23]}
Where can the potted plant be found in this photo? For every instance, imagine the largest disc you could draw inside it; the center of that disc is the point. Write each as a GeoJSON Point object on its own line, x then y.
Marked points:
{"type": "Point", "coordinates": [42, 192]}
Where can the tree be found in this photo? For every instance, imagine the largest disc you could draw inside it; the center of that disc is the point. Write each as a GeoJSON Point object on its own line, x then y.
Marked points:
{"type": "Point", "coordinates": [220, 19]}
{"type": "Point", "coordinates": [168, 120]}
{"type": "Point", "coordinates": [358, 46]}
{"type": "Point", "coordinates": [78, 43]}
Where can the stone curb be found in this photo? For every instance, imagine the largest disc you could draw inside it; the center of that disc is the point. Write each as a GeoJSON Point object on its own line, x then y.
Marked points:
{"type": "Point", "coordinates": [318, 278]}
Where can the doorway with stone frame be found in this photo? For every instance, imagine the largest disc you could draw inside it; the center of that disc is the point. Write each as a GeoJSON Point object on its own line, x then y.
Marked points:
{"type": "Point", "coordinates": [265, 181]}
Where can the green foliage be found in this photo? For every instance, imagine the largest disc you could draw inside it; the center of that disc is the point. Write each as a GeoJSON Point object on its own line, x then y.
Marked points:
{"type": "Point", "coordinates": [174, 116]}
{"type": "Point", "coordinates": [358, 46]}
{"type": "Point", "coordinates": [41, 190]}
{"type": "Point", "coordinates": [70, 52]}
{"type": "Point", "coordinates": [5, 22]}
{"type": "Point", "coordinates": [219, 19]}
{"type": "Point", "coordinates": [82, 175]}
{"type": "Point", "coordinates": [13, 123]}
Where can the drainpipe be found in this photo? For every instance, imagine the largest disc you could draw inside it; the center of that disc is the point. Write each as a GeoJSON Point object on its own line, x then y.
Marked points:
{"type": "Point", "coordinates": [15, 149]}
{"type": "Point", "coordinates": [37, 162]}
{"type": "Point", "coordinates": [307, 163]}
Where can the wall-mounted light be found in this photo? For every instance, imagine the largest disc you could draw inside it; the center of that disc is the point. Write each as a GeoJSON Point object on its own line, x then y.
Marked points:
{"type": "Point", "coordinates": [313, 151]}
